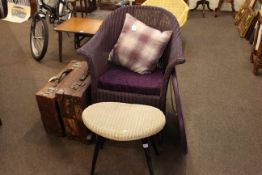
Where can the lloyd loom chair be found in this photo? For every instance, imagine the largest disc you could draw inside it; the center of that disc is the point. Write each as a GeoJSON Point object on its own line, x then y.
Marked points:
{"type": "Point", "coordinates": [120, 85]}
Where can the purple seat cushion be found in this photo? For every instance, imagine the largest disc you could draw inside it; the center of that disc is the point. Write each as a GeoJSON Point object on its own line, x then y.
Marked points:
{"type": "Point", "coordinates": [121, 79]}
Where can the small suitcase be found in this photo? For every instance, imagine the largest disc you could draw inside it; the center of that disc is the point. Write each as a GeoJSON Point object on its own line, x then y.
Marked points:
{"type": "Point", "coordinates": [48, 106]}
{"type": "Point", "coordinates": [63, 99]}
{"type": "Point", "coordinates": [73, 97]}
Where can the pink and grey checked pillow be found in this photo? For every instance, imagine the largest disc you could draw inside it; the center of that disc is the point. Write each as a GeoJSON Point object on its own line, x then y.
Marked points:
{"type": "Point", "coordinates": [139, 47]}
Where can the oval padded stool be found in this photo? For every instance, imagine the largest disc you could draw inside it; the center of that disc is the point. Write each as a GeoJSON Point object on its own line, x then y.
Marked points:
{"type": "Point", "coordinates": [123, 122]}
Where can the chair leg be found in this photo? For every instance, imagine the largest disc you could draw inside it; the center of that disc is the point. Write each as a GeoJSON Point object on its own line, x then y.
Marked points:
{"type": "Point", "coordinates": [218, 7]}
{"type": "Point", "coordinates": [147, 155]}
{"type": "Point", "coordinates": [95, 155]}
{"type": "Point", "coordinates": [102, 141]}
{"type": "Point", "coordinates": [154, 145]}
{"type": "Point", "coordinates": [179, 113]}
{"type": "Point", "coordinates": [182, 134]}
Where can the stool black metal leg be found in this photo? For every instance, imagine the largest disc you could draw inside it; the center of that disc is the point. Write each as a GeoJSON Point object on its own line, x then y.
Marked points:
{"type": "Point", "coordinates": [154, 145]}
{"type": "Point", "coordinates": [147, 155]}
{"type": "Point", "coordinates": [98, 140]}
{"type": "Point", "coordinates": [102, 141]}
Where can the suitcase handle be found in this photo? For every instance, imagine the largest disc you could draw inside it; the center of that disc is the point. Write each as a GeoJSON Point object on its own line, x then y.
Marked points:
{"type": "Point", "coordinates": [84, 76]}
{"type": "Point", "coordinates": [60, 77]}
{"type": "Point", "coordinates": [76, 85]}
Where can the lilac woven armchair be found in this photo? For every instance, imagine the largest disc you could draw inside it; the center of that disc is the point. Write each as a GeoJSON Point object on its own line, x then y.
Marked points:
{"type": "Point", "coordinates": [112, 83]}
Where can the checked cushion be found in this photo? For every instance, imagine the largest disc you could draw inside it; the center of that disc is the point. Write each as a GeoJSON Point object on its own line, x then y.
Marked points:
{"type": "Point", "coordinates": [139, 47]}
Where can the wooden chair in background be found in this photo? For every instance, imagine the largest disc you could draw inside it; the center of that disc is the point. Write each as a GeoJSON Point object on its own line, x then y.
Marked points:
{"type": "Point", "coordinates": [85, 6]}
{"type": "Point", "coordinates": [204, 3]}
{"type": "Point", "coordinates": [220, 5]}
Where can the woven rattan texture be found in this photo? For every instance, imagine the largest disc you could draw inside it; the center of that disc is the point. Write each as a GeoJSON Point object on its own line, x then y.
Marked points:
{"type": "Point", "coordinates": [97, 50]}
{"type": "Point", "coordinates": [122, 121]}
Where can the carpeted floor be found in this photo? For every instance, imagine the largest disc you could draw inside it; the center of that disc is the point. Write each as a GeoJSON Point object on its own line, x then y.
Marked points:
{"type": "Point", "coordinates": [220, 95]}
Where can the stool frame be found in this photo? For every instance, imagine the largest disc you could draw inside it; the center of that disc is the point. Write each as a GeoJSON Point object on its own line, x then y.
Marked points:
{"type": "Point", "coordinates": [145, 142]}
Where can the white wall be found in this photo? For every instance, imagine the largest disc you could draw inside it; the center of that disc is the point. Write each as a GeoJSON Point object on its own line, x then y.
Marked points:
{"type": "Point", "coordinates": [214, 3]}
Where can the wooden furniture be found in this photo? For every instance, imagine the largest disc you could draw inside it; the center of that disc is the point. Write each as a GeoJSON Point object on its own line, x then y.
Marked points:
{"type": "Point", "coordinates": [78, 26]}
{"type": "Point", "coordinates": [124, 122]}
{"type": "Point", "coordinates": [203, 3]}
{"type": "Point", "coordinates": [178, 7]}
{"type": "Point", "coordinates": [85, 6]}
{"type": "Point", "coordinates": [139, 2]}
{"type": "Point", "coordinates": [256, 54]}
{"type": "Point", "coordinates": [220, 5]}
{"type": "Point", "coordinates": [257, 61]}
{"type": "Point", "coordinates": [110, 5]}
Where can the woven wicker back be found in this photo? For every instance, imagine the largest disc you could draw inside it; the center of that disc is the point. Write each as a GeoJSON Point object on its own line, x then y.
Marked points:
{"type": "Point", "coordinates": [97, 50]}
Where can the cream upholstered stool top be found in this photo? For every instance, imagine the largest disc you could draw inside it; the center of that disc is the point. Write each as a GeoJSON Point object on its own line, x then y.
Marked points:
{"type": "Point", "coordinates": [123, 122]}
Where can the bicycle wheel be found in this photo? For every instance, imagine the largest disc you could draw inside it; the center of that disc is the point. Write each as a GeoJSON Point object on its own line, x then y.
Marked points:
{"type": "Point", "coordinates": [38, 38]}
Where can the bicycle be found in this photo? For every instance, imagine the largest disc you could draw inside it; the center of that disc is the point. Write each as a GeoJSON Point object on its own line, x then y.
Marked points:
{"type": "Point", "coordinates": [58, 13]}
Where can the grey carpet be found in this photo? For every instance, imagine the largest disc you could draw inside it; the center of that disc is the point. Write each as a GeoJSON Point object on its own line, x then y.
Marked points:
{"type": "Point", "coordinates": [220, 95]}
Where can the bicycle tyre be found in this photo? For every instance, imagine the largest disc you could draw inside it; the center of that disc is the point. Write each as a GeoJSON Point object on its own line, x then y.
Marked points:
{"type": "Point", "coordinates": [40, 35]}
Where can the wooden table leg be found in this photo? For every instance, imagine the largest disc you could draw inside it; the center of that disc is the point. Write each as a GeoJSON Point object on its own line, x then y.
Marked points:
{"type": "Point", "coordinates": [220, 5]}
{"type": "Point", "coordinates": [203, 3]}
{"type": "Point", "coordinates": [60, 45]}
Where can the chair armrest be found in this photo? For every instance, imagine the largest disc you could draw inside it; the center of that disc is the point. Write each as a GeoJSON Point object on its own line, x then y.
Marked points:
{"type": "Point", "coordinates": [175, 51]}
{"type": "Point", "coordinates": [97, 49]}
{"type": "Point", "coordinates": [173, 56]}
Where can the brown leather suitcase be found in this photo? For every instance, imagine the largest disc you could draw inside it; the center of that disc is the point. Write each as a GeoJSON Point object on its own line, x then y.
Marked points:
{"type": "Point", "coordinates": [48, 106]}
{"type": "Point", "coordinates": [63, 99]}
{"type": "Point", "coordinates": [73, 97]}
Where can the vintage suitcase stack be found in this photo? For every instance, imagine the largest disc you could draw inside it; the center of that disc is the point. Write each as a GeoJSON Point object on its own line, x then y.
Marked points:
{"type": "Point", "coordinates": [63, 99]}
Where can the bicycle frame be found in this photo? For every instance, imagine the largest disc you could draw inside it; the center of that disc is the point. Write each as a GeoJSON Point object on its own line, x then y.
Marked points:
{"type": "Point", "coordinates": [58, 13]}
{"type": "Point", "coordinates": [54, 12]}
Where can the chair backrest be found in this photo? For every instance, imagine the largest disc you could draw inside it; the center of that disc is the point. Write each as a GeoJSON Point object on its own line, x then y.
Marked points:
{"type": "Point", "coordinates": [155, 17]}
{"type": "Point", "coordinates": [178, 7]}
